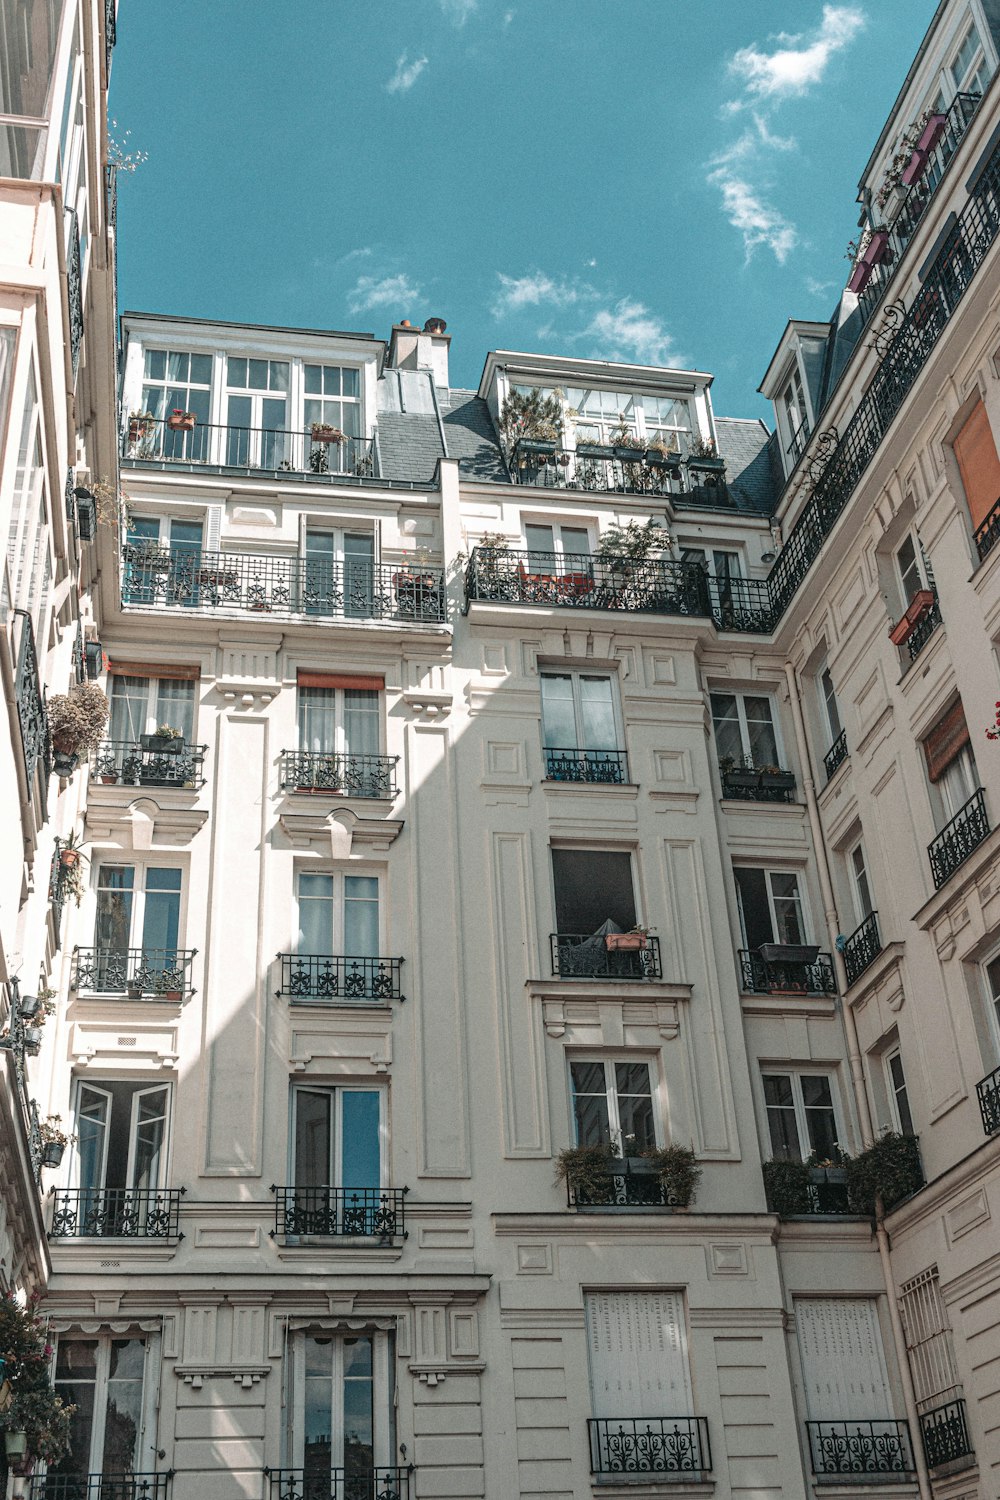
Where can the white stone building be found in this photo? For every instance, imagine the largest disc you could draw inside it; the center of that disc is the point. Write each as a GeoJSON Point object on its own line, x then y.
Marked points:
{"type": "Point", "coordinates": [349, 971]}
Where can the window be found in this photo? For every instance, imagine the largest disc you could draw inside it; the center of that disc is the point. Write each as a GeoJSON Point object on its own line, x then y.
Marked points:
{"type": "Point", "coordinates": [139, 705]}
{"type": "Point", "coordinates": [566, 544]}
{"type": "Point", "coordinates": [899, 1103]}
{"type": "Point", "coordinates": [770, 905]}
{"type": "Point", "coordinates": [969, 69]}
{"type": "Point", "coordinates": [121, 1163]}
{"type": "Point", "coordinates": [744, 729]}
{"type": "Point", "coordinates": [913, 569]}
{"type": "Point", "coordinates": [792, 406]}
{"type": "Point", "coordinates": [845, 1379]}
{"type": "Point", "coordinates": [341, 1429]}
{"type": "Point", "coordinates": [860, 887]}
{"type": "Point", "coordinates": [951, 764]}
{"type": "Point", "coordinates": [338, 914]}
{"type": "Point", "coordinates": [163, 561]}
{"type": "Point", "coordinates": [341, 720]}
{"type": "Point", "coordinates": [257, 403]}
{"type": "Point", "coordinates": [667, 420]}
{"type": "Point", "coordinates": [337, 1136]}
{"type": "Point", "coordinates": [591, 887]}
{"type": "Point", "coordinates": [339, 573]}
{"type": "Point", "coordinates": [725, 566]}
{"type": "Point", "coordinates": [333, 396]}
{"type": "Point", "coordinates": [138, 907]}
{"type": "Point", "coordinates": [991, 977]}
{"type": "Point", "coordinates": [929, 1347]}
{"type": "Point", "coordinates": [613, 1104]}
{"type": "Point", "coordinates": [580, 728]}
{"type": "Point", "coordinates": [113, 1429]}
{"type": "Point", "coordinates": [28, 556]}
{"type": "Point", "coordinates": [801, 1119]}
{"type": "Point", "coordinates": [602, 413]}
{"type": "Point", "coordinates": [174, 380]}
{"type": "Point", "coordinates": [978, 464]}
{"type": "Point", "coordinates": [830, 705]}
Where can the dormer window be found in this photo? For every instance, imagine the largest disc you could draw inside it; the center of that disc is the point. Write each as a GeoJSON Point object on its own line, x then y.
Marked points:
{"type": "Point", "coordinates": [794, 417]}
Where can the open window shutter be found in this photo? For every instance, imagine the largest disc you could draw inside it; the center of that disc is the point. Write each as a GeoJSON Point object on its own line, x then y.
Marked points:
{"type": "Point", "coordinates": [978, 463]}
{"type": "Point", "coordinates": [213, 528]}
{"type": "Point", "coordinates": [843, 1365]}
{"type": "Point", "coordinates": [946, 740]}
{"type": "Point", "coordinates": [638, 1354]}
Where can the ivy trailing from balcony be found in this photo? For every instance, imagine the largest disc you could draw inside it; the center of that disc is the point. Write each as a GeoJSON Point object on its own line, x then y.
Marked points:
{"type": "Point", "coordinates": [679, 1173]}
{"type": "Point", "coordinates": [889, 1169]}
{"type": "Point", "coordinates": [786, 1184]}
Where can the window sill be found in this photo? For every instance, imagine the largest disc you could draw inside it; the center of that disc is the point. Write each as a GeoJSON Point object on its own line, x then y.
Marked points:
{"type": "Point", "coordinates": [335, 1247]}
{"type": "Point", "coordinates": [631, 1486]}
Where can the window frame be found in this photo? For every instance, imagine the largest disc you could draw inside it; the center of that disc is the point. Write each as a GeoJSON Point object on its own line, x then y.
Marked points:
{"type": "Point", "coordinates": [855, 876]}
{"type": "Point", "coordinates": [138, 912]}
{"type": "Point", "coordinates": [609, 1061]}
{"type": "Point", "coordinates": [992, 998]}
{"type": "Point", "coordinates": [893, 1053]}
{"type": "Point", "coordinates": [796, 1072]}
{"type": "Point", "coordinates": [558, 549]}
{"type": "Point", "coordinates": [145, 1443]}
{"type": "Point", "coordinates": [741, 718]}
{"type": "Point", "coordinates": [338, 899]}
{"type": "Point", "coordinates": [335, 1144]}
{"type": "Point", "coordinates": [576, 675]}
{"type": "Point", "coordinates": [139, 1086]}
{"type": "Point", "coordinates": [829, 703]}
{"type": "Point", "coordinates": [152, 718]}
{"type": "Point", "coordinates": [383, 1397]}
{"type": "Point", "coordinates": [800, 896]}
{"type": "Point", "coordinates": [340, 745]}
{"type": "Point", "coordinates": [925, 577]}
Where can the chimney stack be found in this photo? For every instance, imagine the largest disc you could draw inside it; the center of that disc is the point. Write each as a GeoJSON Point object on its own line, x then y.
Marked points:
{"type": "Point", "coordinates": [421, 348]}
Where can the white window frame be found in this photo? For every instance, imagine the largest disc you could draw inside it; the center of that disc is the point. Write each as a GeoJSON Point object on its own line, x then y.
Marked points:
{"type": "Point", "coordinates": [325, 526]}
{"type": "Point", "coordinates": [146, 1443]}
{"type": "Point", "coordinates": [968, 78]}
{"type": "Point", "coordinates": [153, 720]}
{"type": "Point", "coordinates": [140, 868]}
{"type": "Point", "coordinates": [710, 554]}
{"type": "Point", "coordinates": [890, 1054]}
{"type": "Point", "coordinates": [993, 998]}
{"type": "Point", "coordinates": [608, 1061]}
{"type": "Point", "coordinates": [558, 548]}
{"type": "Point", "coordinates": [382, 1397]}
{"type": "Point", "coordinates": [575, 677]}
{"type": "Point", "coordinates": [796, 1072]}
{"type": "Point", "coordinates": [140, 1086]}
{"type": "Point", "coordinates": [164, 522]}
{"type": "Point", "coordinates": [856, 877]}
{"type": "Point", "coordinates": [305, 396]}
{"type": "Point", "coordinates": [338, 878]}
{"type": "Point", "coordinates": [831, 707]}
{"type": "Point", "coordinates": [337, 1089]}
{"type": "Point", "coordinates": [741, 715]}
{"type": "Point", "coordinates": [339, 746]}
{"type": "Point", "coordinates": [958, 782]}
{"type": "Point", "coordinates": [925, 579]}
{"type": "Point", "coordinates": [793, 395]}
{"type": "Point", "coordinates": [803, 905]}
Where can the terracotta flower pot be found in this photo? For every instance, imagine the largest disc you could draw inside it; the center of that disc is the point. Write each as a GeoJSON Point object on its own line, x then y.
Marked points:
{"type": "Point", "coordinates": [181, 421]}
{"type": "Point", "coordinates": [69, 857]}
{"type": "Point", "coordinates": [625, 942]}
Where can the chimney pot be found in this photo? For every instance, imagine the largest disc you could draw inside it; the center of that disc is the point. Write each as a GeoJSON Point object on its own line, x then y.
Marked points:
{"type": "Point", "coordinates": [406, 323]}
{"type": "Point", "coordinates": [435, 325]}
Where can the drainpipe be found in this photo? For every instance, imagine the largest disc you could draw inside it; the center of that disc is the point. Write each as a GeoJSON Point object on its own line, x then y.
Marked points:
{"type": "Point", "coordinates": [858, 1080]}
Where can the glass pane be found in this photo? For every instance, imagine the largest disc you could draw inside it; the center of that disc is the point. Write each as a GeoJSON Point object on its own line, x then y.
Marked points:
{"type": "Point", "coordinates": [781, 1117]}
{"type": "Point", "coordinates": [315, 914]}
{"type": "Point", "coordinates": [278, 375]}
{"type": "Point", "coordinates": [161, 917]}
{"type": "Point", "coordinates": [760, 731]}
{"type": "Point", "coordinates": [123, 1413]}
{"type": "Point", "coordinates": [351, 382]}
{"type": "Point", "coordinates": [76, 1374]}
{"type": "Point", "coordinates": [175, 706]}
{"type": "Point", "coordinates": [257, 378]}
{"type": "Point", "coordinates": [360, 1154]}
{"type": "Point", "coordinates": [590, 1103]}
{"type": "Point", "coordinates": [129, 700]}
{"type": "Point", "coordinates": [318, 1404]}
{"type": "Point", "coordinates": [908, 570]}
{"type": "Point", "coordinates": [787, 907]}
{"type": "Point", "coordinates": [635, 1107]}
{"type": "Point", "coordinates": [313, 1116]}
{"type": "Point", "coordinates": [359, 1417]}
{"type": "Point", "coordinates": [156, 364]}
{"type": "Point", "coordinates": [92, 1129]}
{"type": "Point", "coordinates": [114, 908]}
{"type": "Point", "coordinates": [150, 1131]}
{"type": "Point", "coordinates": [558, 714]}
{"type": "Point", "coordinates": [726, 719]}
{"type": "Point", "coordinates": [361, 916]}
{"type": "Point", "coordinates": [314, 382]}
{"type": "Point", "coordinates": [575, 541]}
{"type": "Point", "coordinates": [178, 366]}
{"type": "Point", "coordinates": [317, 720]}
{"type": "Point", "coordinates": [201, 369]}
{"type": "Point", "coordinates": [820, 1121]}
{"type": "Point", "coordinates": [361, 721]}
{"type": "Point", "coordinates": [539, 540]}
{"type": "Point", "coordinates": [597, 714]}
{"type": "Point", "coordinates": [359, 561]}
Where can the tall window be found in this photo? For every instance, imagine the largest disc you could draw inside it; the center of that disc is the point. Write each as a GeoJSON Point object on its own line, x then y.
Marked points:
{"type": "Point", "coordinates": [638, 1359]}
{"type": "Point", "coordinates": [991, 979]}
{"type": "Point", "coordinates": [121, 1130]}
{"type": "Point", "coordinates": [113, 1427]}
{"type": "Point", "coordinates": [844, 1374]}
{"type": "Point", "coordinates": [667, 420]}
{"type": "Point", "coordinates": [140, 705]}
{"type": "Point", "coordinates": [338, 914]}
{"type": "Point", "coordinates": [951, 764]}
{"type": "Point", "coordinates": [978, 463]}
{"type": "Point", "coordinates": [28, 556]}
{"type": "Point", "coordinates": [744, 729]}
{"type": "Point", "coordinates": [969, 69]}
{"type": "Point", "coordinates": [138, 907]}
{"type": "Point", "coordinates": [591, 887]}
{"type": "Point", "coordinates": [899, 1101]}
{"type": "Point", "coordinates": [339, 720]}
{"type": "Point", "coordinates": [175, 380]}
{"type": "Point", "coordinates": [339, 573]}
{"type": "Point", "coordinates": [770, 904]}
{"type": "Point", "coordinates": [830, 705]}
{"type": "Point", "coordinates": [341, 1427]}
{"type": "Point", "coordinates": [337, 1137]}
{"type": "Point", "coordinates": [613, 1104]}
{"type": "Point", "coordinates": [913, 568]}
{"type": "Point", "coordinates": [792, 404]}
{"type": "Point", "coordinates": [860, 885]}
{"type": "Point", "coordinates": [29, 36]}
{"type": "Point", "coordinates": [929, 1344]}
{"type": "Point", "coordinates": [580, 727]}
{"type": "Point", "coordinates": [801, 1119]}
{"type": "Point", "coordinates": [333, 396]}
{"type": "Point", "coordinates": [257, 407]}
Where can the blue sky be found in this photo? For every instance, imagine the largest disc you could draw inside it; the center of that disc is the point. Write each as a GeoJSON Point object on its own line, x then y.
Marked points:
{"type": "Point", "coordinates": [656, 180]}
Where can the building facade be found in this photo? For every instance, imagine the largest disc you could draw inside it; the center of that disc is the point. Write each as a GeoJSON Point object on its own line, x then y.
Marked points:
{"type": "Point", "coordinates": [456, 849]}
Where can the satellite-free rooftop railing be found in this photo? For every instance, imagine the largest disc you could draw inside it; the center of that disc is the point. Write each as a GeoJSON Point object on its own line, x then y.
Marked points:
{"type": "Point", "coordinates": [291, 451]}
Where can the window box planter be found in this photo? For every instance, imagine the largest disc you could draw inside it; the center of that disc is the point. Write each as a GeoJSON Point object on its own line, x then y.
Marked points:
{"type": "Point", "coordinates": [789, 953]}
{"type": "Point", "coordinates": [658, 460]}
{"type": "Point", "coordinates": [134, 990]}
{"type": "Point", "coordinates": [594, 450]}
{"type": "Point", "coordinates": [875, 252]}
{"type": "Point", "coordinates": [52, 1153]}
{"type": "Point", "coordinates": [929, 137]}
{"type": "Point", "coordinates": [904, 627]}
{"type": "Point", "coordinates": [537, 448]}
{"type": "Point", "coordinates": [324, 432]}
{"type": "Point", "coordinates": [181, 421]}
{"type": "Point", "coordinates": [625, 942]}
{"type": "Point", "coordinates": [707, 465]}
{"type": "Point", "coordinates": [86, 516]}
{"type": "Point", "coordinates": [740, 777]}
{"type": "Point", "coordinates": [162, 744]}
{"type": "Point", "coordinates": [627, 454]}
{"type": "Point", "coordinates": [780, 780]}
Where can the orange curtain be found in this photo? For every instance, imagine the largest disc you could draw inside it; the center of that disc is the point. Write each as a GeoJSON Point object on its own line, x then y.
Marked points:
{"type": "Point", "coordinates": [978, 464]}
{"type": "Point", "coordinates": [947, 739]}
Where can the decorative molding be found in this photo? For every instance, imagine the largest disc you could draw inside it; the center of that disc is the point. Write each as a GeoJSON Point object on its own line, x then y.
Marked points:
{"type": "Point", "coordinates": [338, 829]}
{"type": "Point", "coordinates": [144, 822]}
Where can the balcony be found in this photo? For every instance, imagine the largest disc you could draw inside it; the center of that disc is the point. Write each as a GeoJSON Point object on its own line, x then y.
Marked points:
{"type": "Point", "coordinates": [749, 783]}
{"type": "Point", "coordinates": [836, 755]}
{"type": "Point", "coordinates": [786, 969]}
{"type": "Point", "coordinates": [794, 1189]}
{"type": "Point", "coordinates": [988, 1093]}
{"type": "Point", "coordinates": [31, 715]}
{"type": "Point", "coordinates": [627, 1183]}
{"type": "Point", "coordinates": [333, 978]}
{"type": "Point", "coordinates": [987, 534]}
{"type": "Point", "coordinates": [620, 469]}
{"type": "Point", "coordinates": [330, 1212]}
{"type": "Point", "coordinates": [360, 1482]}
{"type": "Point", "coordinates": [116, 1213]}
{"type": "Point", "coordinates": [862, 947]}
{"type": "Point", "coordinates": [585, 581]}
{"type": "Point", "coordinates": [913, 200]}
{"type": "Point", "coordinates": [74, 290]}
{"type": "Point", "coordinates": [924, 626]}
{"type": "Point", "coordinates": [339, 775]}
{"type": "Point", "coordinates": [880, 1448]}
{"type": "Point", "coordinates": [100, 1486]}
{"type": "Point", "coordinates": [649, 1445]}
{"type": "Point", "coordinates": [944, 1432]}
{"type": "Point", "coordinates": [238, 582]}
{"type": "Point", "coordinates": [607, 766]}
{"type": "Point", "coordinates": [587, 955]}
{"type": "Point", "coordinates": [249, 450]}
{"type": "Point", "coordinates": [128, 763]}
{"type": "Point", "coordinates": [958, 839]}
{"type": "Point", "coordinates": [139, 973]}
{"type": "Point", "coordinates": [742, 604]}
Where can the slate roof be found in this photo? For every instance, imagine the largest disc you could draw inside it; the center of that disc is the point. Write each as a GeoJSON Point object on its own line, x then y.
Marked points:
{"type": "Point", "coordinates": [470, 435]}
{"type": "Point", "coordinates": [753, 471]}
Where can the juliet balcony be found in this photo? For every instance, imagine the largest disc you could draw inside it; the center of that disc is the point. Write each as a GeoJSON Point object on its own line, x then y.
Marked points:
{"type": "Point", "coordinates": [836, 755]}
{"type": "Point", "coordinates": [362, 1481]}
{"type": "Point", "coordinates": [332, 1212]}
{"type": "Point", "coordinates": [254, 583]}
{"type": "Point", "coordinates": [649, 1446]}
{"type": "Point", "coordinates": [988, 1094]}
{"type": "Point", "coordinates": [987, 533]}
{"type": "Point", "coordinates": [958, 839]}
{"type": "Point", "coordinates": [786, 969]}
{"type": "Point", "coordinates": [294, 452]}
{"type": "Point", "coordinates": [862, 948]}
{"type": "Point", "coordinates": [565, 763]}
{"type": "Point", "coordinates": [624, 955]}
{"type": "Point", "coordinates": [944, 1432]}
{"type": "Point", "coordinates": [339, 775]}
{"type": "Point", "coordinates": [149, 762]}
{"type": "Point", "coordinates": [339, 979]}
{"type": "Point", "coordinates": [876, 1450]}
{"type": "Point", "coordinates": [100, 1486]}
{"type": "Point", "coordinates": [139, 973]}
{"type": "Point", "coordinates": [743, 782]}
{"type": "Point", "coordinates": [116, 1213]}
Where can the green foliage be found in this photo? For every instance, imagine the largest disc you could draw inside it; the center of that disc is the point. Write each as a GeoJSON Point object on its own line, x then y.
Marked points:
{"type": "Point", "coordinates": [890, 1169]}
{"type": "Point", "coordinates": [786, 1184]}
{"type": "Point", "coordinates": [529, 414]}
{"type": "Point", "coordinates": [678, 1170]}
{"type": "Point", "coordinates": [35, 1408]}
{"type": "Point", "coordinates": [586, 1168]}
{"type": "Point", "coordinates": [77, 718]}
{"type": "Point", "coordinates": [633, 542]}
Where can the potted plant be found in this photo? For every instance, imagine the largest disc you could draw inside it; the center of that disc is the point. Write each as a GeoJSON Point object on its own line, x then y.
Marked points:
{"type": "Point", "coordinates": [736, 774]}
{"type": "Point", "coordinates": [786, 1187]}
{"type": "Point", "coordinates": [530, 425]}
{"type": "Point", "coordinates": [71, 861]}
{"type": "Point", "coordinates": [325, 432]}
{"type": "Point", "coordinates": [586, 1170]}
{"type": "Point", "coordinates": [890, 1169]}
{"type": "Point", "coordinates": [76, 724]}
{"type": "Point", "coordinates": [165, 740]}
{"type": "Point", "coordinates": [54, 1141]}
{"type": "Point", "coordinates": [181, 421]}
{"type": "Point", "coordinates": [703, 458]}
{"type": "Point", "coordinates": [625, 446]}
{"type": "Point", "coordinates": [32, 1038]}
{"type": "Point", "coordinates": [133, 989]}
{"type": "Point", "coordinates": [632, 941]}
{"type": "Point", "coordinates": [659, 456]}
{"type": "Point", "coordinates": [678, 1171]}
{"type": "Point", "coordinates": [918, 606]}
{"type": "Point", "coordinates": [140, 423]}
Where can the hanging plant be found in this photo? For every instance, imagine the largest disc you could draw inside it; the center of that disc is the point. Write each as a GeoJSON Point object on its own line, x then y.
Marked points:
{"type": "Point", "coordinates": [77, 719]}
{"type": "Point", "coordinates": [889, 1169]}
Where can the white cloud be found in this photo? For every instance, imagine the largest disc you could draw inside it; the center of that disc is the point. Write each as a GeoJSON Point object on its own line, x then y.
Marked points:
{"type": "Point", "coordinates": [458, 11]}
{"type": "Point", "coordinates": [757, 221]}
{"type": "Point", "coordinates": [629, 331]}
{"type": "Point", "coordinates": [406, 74]}
{"type": "Point", "coordinates": [508, 16]}
{"type": "Point", "coordinates": [797, 62]}
{"type": "Point", "coordinates": [535, 290]}
{"type": "Point", "coordinates": [382, 291]}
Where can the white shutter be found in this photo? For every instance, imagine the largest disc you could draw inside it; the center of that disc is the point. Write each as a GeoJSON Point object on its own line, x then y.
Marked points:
{"type": "Point", "coordinates": [638, 1354]}
{"type": "Point", "coordinates": [213, 528]}
{"type": "Point", "coordinates": [842, 1360]}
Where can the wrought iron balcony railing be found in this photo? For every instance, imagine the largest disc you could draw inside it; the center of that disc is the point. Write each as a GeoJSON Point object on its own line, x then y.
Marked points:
{"type": "Point", "coordinates": [608, 766]}
{"type": "Point", "coordinates": [794, 1191]}
{"type": "Point", "coordinates": [140, 973]}
{"type": "Point", "coordinates": [987, 533]}
{"type": "Point", "coordinates": [581, 955]}
{"type": "Point", "coordinates": [359, 1482]}
{"type": "Point", "coordinates": [747, 783]}
{"type": "Point", "coordinates": [860, 1447]}
{"type": "Point", "coordinates": [594, 466]}
{"type": "Point", "coordinates": [339, 979]}
{"type": "Point", "coordinates": [795, 976]}
{"type": "Point", "coordinates": [269, 450]}
{"type": "Point", "coordinates": [74, 288]}
{"type": "Point", "coordinates": [626, 1184]}
{"type": "Point", "coordinates": [649, 1445]}
{"type": "Point", "coordinates": [836, 755]}
{"type": "Point", "coordinates": [917, 197]}
{"type": "Point", "coordinates": [116, 1213]}
{"type": "Point", "coordinates": [862, 947]}
{"type": "Point", "coordinates": [31, 715]}
{"type": "Point", "coordinates": [339, 775]}
{"type": "Point", "coordinates": [742, 604]}
{"type": "Point", "coordinates": [958, 839]}
{"type": "Point", "coordinates": [339, 589]}
{"type": "Point", "coordinates": [367, 1213]}
{"type": "Point", "coordinates": [126, 763]}
{"type": "Point", "coordinates": [944, 1432]}
{"type": "Point", "coordinates": [923, 630]}
{"type": "Point", "coordinates": [585, 581]}
{"type": "Point", "coordinates": [988, 1094]}
{"type": "Point", "coordinates": [100, 1486]}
